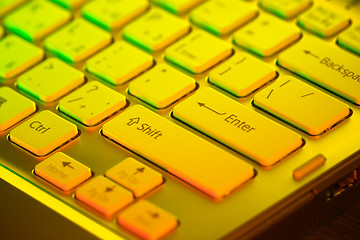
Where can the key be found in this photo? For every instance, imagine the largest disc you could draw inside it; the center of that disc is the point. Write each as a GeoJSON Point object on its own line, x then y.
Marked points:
{"type": "Point", "coordinates": [161, 86]}
{"type": "Point", "coordinates": [1, 32]}
{"type": "Point", "coordinates": [50, 80]}
{"type": "Point", "coordinates": [222, 16]}
{"type": "Point", "coordinates": [178, 151]}
{"type": "Point", "coordinates": [278, 35]}
{"type": "Point", "coordinates": [155, 30]}
{"type": "Point", "coordinates": [237, 127]}
{"type": "Point", "coordinates": [77, 41]}
{"type": "Point", "coordinates": [147, 220]}
{"type": "Point", "coordinates": [20, 55]}
{"type": "Point", "coordinates": [36, 19]}
{"type": "Point", "coordinates": [302, 106]}
{"type": "Point", "coordinates": [113, 14]}
{"type": "Point", "coordinates": [323, 21]}
{"type": "Point", "coordinates": [350, 39]}
{"type": "Point", "coordinates": [70, 4]}
{"type": "Point", "coordinates": [177, 6]}
{"type": "Point", "coordinates": [7, 5]}
{"type": "Point", "coordinates": [92, 103]}
{"type": "Point", "coordinates": [119, 63]}
{"type": "Point", "coordinates": [242, 75]}
{"type": "Point", "coordinates": [198, 51]}
{"type": "Point", "coordinates": [13, 108]}
{"type": "Point", "coordinates": [285, 9]}
{"type": "Point", "coordinates": [63, 171]}
{"type": "Point", "coordinates": [104, 195]}
{"type": "Point", "coordinates": [43, 133]}
{"type": "Point", "coordinates": [324, 65]}
{"type": "Point", "coordinates": [135, 176]}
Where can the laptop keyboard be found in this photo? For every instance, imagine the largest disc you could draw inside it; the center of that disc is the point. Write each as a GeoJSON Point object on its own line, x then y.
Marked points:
{"type": "Point", "coordinates": [114, 106]}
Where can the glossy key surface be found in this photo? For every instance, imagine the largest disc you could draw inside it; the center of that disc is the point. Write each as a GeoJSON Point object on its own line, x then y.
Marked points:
{"type": "Point", "coordinates": [328, 66]}
{"type": "Point", "coordinates": [43, 133]}
{"type": "Point", "coordinates": [13, 107]}
{"type": "Point", "coordinates": [350, 39]}
{"type": "Point", "coordinates": [50, 80]}
{"type": "Point", "coordinates": [177, 6]}
{"type": "Point", "coordinates": [178, 151]}
{"type": "Point", "coordinates": [285, 8]}
{"type": "Point", "coordinates": [63, 171]}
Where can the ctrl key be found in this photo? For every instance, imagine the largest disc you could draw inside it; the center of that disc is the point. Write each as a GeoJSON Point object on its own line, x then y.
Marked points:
{"type": "Point", "coordinates": [147, 220]}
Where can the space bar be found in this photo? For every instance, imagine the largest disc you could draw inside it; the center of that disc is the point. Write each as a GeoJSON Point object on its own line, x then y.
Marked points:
{"type": "Point", "coordinates": [187, 156]}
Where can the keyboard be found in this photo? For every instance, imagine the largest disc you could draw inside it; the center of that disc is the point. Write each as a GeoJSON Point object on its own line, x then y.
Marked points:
{"type": "Point", "coordinates": [181, 119]}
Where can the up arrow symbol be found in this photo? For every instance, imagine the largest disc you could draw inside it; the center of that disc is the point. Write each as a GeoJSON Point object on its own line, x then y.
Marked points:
{"type": "Point", "coordinates": [133, 121]}
{"type": "Point", "coordinates": [67, 164]}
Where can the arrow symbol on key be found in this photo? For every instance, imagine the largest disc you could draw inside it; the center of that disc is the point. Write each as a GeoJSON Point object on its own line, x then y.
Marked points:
{"type": "Point", "coordinates": [67, 164]}
{"type": "Point", "coordinates": [133, 121]}
{"type": "Point", "coordinates": [139, 170]}
{"type": "Point", "coordinates": [203, 105]}
{"type": "Point", "coordinates": [307, 52]}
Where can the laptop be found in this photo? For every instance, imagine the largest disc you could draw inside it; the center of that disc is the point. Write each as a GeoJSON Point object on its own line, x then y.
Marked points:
{"type": "Point", "coordinates": [169, 119]}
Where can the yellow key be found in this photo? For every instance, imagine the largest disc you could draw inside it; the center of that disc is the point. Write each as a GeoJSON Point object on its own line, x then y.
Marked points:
{"type": "Point", "coordinates": [8, 5]}
{"type": "Point", "coordinates": [70, 4]}
{"type": "Point", "coordinates": [119, 63]}
{"type": "Point", "coordinates": [350, 39]}
{"type": "Point", "coordinates": [43, 133]}
{"type": "Point", "coordinates": [147, 220]}
{"type": "Point", "coordinates": [63, 171]}
{"type": "Point", "coordinates": [104, 195]}
{"type": "Point", "coordinates": [135, 176]}
{"type": "Point", "coordinates": [177, 6]}
{"type": "Point", "coordinates": [285, 9]}
{"type": "Point", "coordinates": [323, 21]}
{"type": "Point", "coordinates": [222, 16]}
{"type": "Point", "coordinates": [112, 14]}
{"type": "Point", "coordinates": [302, 106]}
{"type": "Point", "coordinates": [266, 35]}
{"type": "Point", "coordinates": [178, 151]}
{"type": "Point", "coordinates": [13, 108]}
{"type": "Point", "coordinates": [50, 80]}
{"type": "Point", "coordinates": [1, 31]}
{"type": "Point", "coordinates": [161, 86]}
{"type": "Point", "coordinates": [242, 75]}
{"type": "Point", "coordinates": [77, 40]}
{"type": "Point", "coordinates": [156, 29]}
{"type": "Point", "coordinates": [36, 19]}
{"type": "Point", "coordinates": [92, 103]}
{"type": "Point", "coordinates": [20, 55]}
{"type": "Point", "coordinates": [237, 127]}
{"type": "Point", "coordinates": [327, 66]}
{"type": "Point", "coordinates": [198, 51]}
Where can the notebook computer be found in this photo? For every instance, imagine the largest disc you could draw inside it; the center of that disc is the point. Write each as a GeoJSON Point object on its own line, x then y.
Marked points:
{"type": "Point", "coordinates": [181, 119]}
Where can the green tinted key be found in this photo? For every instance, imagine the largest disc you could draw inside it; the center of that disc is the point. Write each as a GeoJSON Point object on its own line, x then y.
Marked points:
{"type": "Point", "coordinates": [7, 5]}
{"type": "Point", "coordinates": [70, 4]}
{"type": "Point", "coordinates": [17, 55]}
{"type": "Point", "coordinates": [77, 41]}
{"type": "Point", "coordinates": [36, 19]}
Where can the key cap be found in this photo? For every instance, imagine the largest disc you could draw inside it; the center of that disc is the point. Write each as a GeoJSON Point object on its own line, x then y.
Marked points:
{"type": "Point", "coordinates": [43, 133]}
{"type": "Point", "coordinates": [302, 106]}
{"type": "Point", "coordinates": [7, 5]}
{"type": "Point", "coordinates": [155, 30]}
{"type": "Point", "coordinates": [20, 55]}
{"type": "Point", "coordinates": [104, 195]}
{"type": "Point", "coordinates": [242, 75]}
{"type": "Point", "coordinates": [323, 21]}
{"type": "Point", "coordinates": [113, 14]}
{"type": "Point", "coordinates": [13, 108]}
{"type": "Point", "coordinates": [178, 151]}
{"type": "Point", "coordinates": [70, 4]}
{"type": "Point", "coordinates": [237, 127]}
{"type": "Point", "coordinates": [92, 103]}
{"type": "Point", "coordinates": [63, 171]}
{"type": "Point", "coordinates": [50, 80]}
{"type": "Point", "coordinates": [222, 16]}
{"type": "Point", "coordinates": [119, 63]}
{"type": "Point", "coordinates": [77, 41]}
{"type": "Point", "coordinates": [177, 6]}
{"type": "Point", "coordinates": [147, 220]}
{"type": "Point", "coordinates": [285, 9]}
{"type": "Point", "coordinates": [278, 35]}
{"type": "Point", "coordinates": [350, 39]}
{"type": "Point", "coordinates": [36, 19]}
{"type": "Point", "coordinates": [198, 51]}
{"type": "Point", "coordinates": [135, 176]}
{"type": "Point", "coordinates": [161, 86]}
{"type": "Point", "coordinates": [329, 67]}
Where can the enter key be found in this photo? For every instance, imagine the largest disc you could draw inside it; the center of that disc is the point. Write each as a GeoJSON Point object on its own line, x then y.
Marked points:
{"type": "Point", "coordinates": [237, 127]}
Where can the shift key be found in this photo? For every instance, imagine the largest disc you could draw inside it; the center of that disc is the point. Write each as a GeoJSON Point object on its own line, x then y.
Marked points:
{"type": "Point", "coordinates": [187, 156]}
{"type": "Point", "coordinates": [237, 127]}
